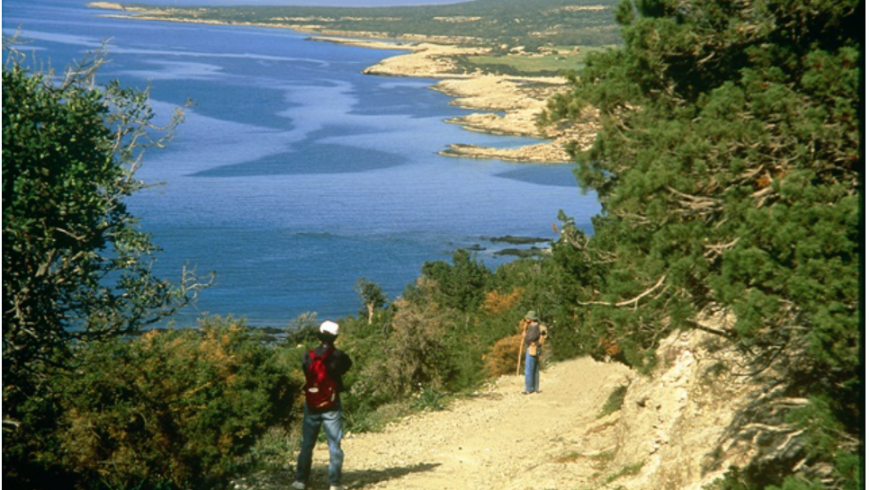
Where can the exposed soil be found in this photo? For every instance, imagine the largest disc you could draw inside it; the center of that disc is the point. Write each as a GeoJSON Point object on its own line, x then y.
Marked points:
{"type": "Point", "coordinates": [674, 430]}
{"type": "Point", "coordinates": [498, 438]}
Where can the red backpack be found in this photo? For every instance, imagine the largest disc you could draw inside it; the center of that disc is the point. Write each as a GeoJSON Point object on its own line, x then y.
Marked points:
{"type": "Point", "coordinates": [320, 389]}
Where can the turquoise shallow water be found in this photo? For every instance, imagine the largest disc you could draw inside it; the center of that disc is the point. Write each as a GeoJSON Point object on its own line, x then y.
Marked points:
{"type": "Point", "coordinates": [294, 174]}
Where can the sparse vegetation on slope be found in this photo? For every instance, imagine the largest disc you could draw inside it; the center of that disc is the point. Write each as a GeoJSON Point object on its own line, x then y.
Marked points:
{"type": "Point", "coordinates": [513, 23]}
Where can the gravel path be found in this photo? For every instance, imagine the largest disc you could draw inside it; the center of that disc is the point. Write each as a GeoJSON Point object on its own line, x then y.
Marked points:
{"type": "Point", "coordinates": [499, 438]}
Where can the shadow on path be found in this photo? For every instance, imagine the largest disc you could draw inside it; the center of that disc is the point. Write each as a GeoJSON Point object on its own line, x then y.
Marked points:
{"type": "Point", "coordinates": [281, 480]}
{"type": "Point", "coordinates": [361, 478]}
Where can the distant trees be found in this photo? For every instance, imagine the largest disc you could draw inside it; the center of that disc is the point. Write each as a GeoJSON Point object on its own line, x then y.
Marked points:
{"type": "Point", "coordinates": [484, 22]}
{"type": "Point", "coordinates": [728, 167]}
{"type": "Point", "coordinates": [460, 285]}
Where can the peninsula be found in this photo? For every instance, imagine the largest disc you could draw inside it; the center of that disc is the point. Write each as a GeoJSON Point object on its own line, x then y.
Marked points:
{"type": "Point", "coordinates": [508, 70]}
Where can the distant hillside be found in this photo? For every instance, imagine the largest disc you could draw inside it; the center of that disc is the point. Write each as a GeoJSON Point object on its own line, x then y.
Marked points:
{"type": "Point", "coordinates": [529, 23]}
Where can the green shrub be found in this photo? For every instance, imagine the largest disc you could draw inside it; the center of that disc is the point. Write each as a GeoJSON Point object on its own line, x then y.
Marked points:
{"type": "Point", "coordinates": [428, 399]}
{"type": "Point", "coordinates": [627, 470]}
{"type": "Point", "coordinates": [460, 285]}
{"type": "Point", "coordinates": [175, 408]}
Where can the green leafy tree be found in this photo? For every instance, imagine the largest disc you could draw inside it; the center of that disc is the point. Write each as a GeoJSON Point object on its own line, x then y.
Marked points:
{"type": "Point", "coordinates": [727, 165]}
{"type": "Point", "coordinates": [460, 285]}
{"type": "Point", "coordinates": [75, 266]}
{"type": "Point", "coordinates": [372, 295]}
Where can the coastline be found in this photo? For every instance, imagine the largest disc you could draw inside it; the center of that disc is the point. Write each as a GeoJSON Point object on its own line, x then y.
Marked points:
{"type": "Point", "coordinates": [520, 99]}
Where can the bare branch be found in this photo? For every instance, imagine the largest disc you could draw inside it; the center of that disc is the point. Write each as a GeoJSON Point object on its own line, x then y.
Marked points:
{"type": "Point", "coordinates": [718, 249]}
{"type": "Point", "coordinates": [634, 301]}
{"type": "Point", "coordinates": [694, 202]}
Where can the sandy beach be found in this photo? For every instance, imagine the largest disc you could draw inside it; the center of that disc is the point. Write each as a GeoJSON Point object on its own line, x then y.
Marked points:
{"type": "Point", "coordinates": [510, 105]}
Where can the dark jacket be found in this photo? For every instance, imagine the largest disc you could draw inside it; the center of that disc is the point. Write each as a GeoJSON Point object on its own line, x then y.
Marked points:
{"type": "Point", "coordinates": [337, 364]}
{"type": "Point", "coordinates": [533, 333]}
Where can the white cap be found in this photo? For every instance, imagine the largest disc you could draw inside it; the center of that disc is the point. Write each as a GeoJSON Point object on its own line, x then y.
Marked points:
{"type": "Point", "coordinates": [329, 327]}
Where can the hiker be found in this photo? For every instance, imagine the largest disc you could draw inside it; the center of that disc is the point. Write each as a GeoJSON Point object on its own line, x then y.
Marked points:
{"type": "Point", "coordinates": [323, 367]}
{"type": "Point", "coordinates": [534, 335]}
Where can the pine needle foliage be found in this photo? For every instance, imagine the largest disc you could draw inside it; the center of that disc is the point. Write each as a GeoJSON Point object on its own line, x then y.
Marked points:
{"type": "Point", "coordinates": [728, 168]}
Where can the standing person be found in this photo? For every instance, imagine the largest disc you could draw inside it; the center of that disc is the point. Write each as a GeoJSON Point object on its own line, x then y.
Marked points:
{"type": "Point", "coordinates": [323, 367]}
{"type": "Point", "coordinates": [532, 338]}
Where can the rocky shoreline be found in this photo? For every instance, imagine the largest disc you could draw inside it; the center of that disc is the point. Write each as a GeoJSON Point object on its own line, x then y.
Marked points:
{"type": "Point", "coordinates": [511, 104]}
{"type": "Point", "coordinates": [521, 100]}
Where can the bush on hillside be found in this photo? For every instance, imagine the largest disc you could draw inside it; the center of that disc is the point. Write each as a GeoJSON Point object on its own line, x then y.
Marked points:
{"type": "Point", "coordinates": [77, 268]}
{"type": "Point", "coordinates": [460, 285]}
{"type": "Point", "coordinates": [420, 345]}
{"type": "Point", "coordinates": [172, 409]}
{"type": "Point", "coordinates": [415, 354]}
{"type": "Point", "coordinates": [497, 303]}
{"type": "Point", "coordinates": [502, 359]}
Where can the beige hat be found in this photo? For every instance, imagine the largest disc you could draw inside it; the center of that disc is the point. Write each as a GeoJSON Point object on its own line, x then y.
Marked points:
{"type": "Point", "coordinates": [329, 327]}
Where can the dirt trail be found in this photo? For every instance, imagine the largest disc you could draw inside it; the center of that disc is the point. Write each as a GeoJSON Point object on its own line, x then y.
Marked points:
{"type": "Point", "coordinates": [497, 439]}
{"type": "Point", "coordinates": [676, 430]}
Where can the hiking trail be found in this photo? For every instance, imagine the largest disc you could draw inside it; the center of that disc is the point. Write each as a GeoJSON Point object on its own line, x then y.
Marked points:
{"type": "Point", "coordinates": [498, 438]}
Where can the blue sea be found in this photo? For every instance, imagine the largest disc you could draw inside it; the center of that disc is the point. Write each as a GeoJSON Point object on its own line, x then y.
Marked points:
{"type": "Point", "coordinates": [293, 174]}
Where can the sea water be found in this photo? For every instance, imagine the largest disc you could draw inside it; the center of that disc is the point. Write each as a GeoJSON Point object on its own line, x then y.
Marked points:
{"type": "Point", "coordinates": [294, 175]}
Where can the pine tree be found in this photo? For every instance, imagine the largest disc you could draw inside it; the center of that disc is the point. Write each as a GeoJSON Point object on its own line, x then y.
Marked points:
{"type": "Point", "coordinates": [728, 168]}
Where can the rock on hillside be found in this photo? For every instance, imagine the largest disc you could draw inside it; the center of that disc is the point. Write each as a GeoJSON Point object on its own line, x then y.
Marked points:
{"type": "Point", "coordinates": [425, 60]}
{"type": "Point", "coordinates": [674, 429]}
{"type": "Point", "coordinates": [521, 99]}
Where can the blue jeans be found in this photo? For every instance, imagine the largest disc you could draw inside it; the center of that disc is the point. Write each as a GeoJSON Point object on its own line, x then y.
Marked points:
{"type": "Point", "coordinates": [533, 373]}
{"type": "Point", "coordinates": [331, 422]}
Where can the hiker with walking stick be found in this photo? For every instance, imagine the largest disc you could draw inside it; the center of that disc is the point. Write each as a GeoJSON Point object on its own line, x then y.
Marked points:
{"type": "Point", "coordinates": [533, 336]}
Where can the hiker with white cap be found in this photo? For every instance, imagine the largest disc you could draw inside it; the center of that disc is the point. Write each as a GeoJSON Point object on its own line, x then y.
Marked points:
{"type": "Point", "coordinates": [323, 367]}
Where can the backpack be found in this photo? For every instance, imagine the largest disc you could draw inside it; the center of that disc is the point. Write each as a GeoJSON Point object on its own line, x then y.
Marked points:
{"type": "Point", "coordinates": [538, 347]}
{"type": "Point", "coordinates": [321, 391]}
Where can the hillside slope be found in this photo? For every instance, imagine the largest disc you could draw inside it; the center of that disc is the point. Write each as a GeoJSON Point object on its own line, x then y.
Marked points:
{"type": "Point", "coordinates": [663, 437]}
